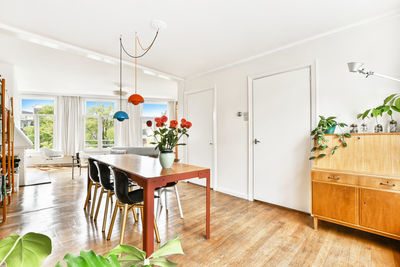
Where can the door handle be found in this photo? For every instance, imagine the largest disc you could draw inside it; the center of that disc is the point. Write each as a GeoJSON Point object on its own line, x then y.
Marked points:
{"type": "Point", "coordinates": [256, 141]}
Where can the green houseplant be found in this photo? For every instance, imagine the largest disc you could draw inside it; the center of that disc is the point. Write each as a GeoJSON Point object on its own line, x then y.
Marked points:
{"type": "Point", "coordinates": [325, 126]}
{"type": "Point", "coordinates": [167, 137]}
{"type": "Point", "coordinates": [32, 249]}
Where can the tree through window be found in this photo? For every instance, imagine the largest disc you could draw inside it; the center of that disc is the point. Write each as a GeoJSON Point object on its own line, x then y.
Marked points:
{"type": "Point", "coordinates": [99, 124]}
{"type": "Point", "coordinates": [37, 121]}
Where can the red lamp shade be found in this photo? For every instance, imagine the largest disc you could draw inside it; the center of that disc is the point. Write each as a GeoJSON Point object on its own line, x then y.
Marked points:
{"type": "Point", "coordinates": [136, 99]}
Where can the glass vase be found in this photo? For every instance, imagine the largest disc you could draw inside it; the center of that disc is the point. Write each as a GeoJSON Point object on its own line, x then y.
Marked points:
{"type": "Point", "coordinates": [378, 128]}
{"type": "Point", "coordinates": [393, 126]}
{"type": "Point", "coordinates": [364, 127]}
{"type": "Point", "coordinates": [354, 128]}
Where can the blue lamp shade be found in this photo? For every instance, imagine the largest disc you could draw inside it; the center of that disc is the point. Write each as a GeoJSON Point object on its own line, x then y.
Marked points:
{"type": "Point", "coordinates": [121, 115]}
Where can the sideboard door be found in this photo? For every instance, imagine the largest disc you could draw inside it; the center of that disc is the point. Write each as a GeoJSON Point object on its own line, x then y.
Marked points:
{"type": "Point", "coordinates": [335, 202]}
{"type": "Point", "coordinates": [380, 210]}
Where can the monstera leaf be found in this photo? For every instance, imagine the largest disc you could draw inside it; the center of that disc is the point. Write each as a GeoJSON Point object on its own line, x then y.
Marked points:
{"type": "Point", "coordinates": [135, 256]}
{"type": "Point", "coordinates": [89, 259]}
{"type": "Point", "coordinates": [29, 250]}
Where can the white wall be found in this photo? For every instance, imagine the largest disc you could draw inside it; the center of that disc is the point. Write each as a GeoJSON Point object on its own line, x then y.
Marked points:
{"type": "Point", "coordinates": [338, 92]}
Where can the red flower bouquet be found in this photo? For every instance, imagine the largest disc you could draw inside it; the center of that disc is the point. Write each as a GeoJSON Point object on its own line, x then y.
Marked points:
{"type": "Point", "coordinates": [167, 136]}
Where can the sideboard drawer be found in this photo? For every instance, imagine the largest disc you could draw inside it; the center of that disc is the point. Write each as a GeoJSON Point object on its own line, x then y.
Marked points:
{"type": "Point", "coordinates": [380, 183]}
{"type": "Point", "coordinates": [333, 177]}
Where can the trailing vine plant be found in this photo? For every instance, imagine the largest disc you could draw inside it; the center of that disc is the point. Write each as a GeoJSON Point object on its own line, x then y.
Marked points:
{"type": "Point", "coordinates": [320, 142]}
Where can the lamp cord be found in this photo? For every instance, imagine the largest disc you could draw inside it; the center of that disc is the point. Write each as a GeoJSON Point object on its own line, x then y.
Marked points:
{"type": "Point", "coordinates": [146, 50]}
{"type": "Point", "coordinates": [120, 76]}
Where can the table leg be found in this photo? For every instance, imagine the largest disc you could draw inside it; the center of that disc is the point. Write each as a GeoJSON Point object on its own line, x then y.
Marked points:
{"type": "Point", "coordinates": [208, 213]}
{"type": "Point", "coordinates": [148, 225]}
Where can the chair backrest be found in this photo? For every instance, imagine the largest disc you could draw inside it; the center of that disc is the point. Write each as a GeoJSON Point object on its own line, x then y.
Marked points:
{"type": "Point", "coordinates": [121, 186]}
{"type": "Point", "coordinates": [93, 172]}
{"type": "Point", "coordinates": [78, 159]}
{"type": "Point", "coordinates": [104, 175]}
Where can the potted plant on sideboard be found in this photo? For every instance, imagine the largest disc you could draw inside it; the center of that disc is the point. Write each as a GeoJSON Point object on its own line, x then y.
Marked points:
{"type": "Point", "coordinates": [327, 126]}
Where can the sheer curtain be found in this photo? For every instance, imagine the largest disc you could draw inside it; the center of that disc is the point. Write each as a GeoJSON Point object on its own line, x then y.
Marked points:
{"type": "Point", "coordinates": [70, 112]}
{"type": "Point", "coordinates": [131, 129]}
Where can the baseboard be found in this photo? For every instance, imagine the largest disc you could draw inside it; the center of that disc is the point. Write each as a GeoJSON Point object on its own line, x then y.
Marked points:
{"type": "Point", "coordinates": [232, 193]}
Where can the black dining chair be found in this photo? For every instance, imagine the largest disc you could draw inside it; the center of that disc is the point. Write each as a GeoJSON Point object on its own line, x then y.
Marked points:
{"type": "Point", "coordinates": [76, 162]}
{"type": "Point", "coordinates": [93, 182]}
{"type": "Point", "coordinates": [107, 185]}
{"type": "Point", "coordinates": [127, 200]}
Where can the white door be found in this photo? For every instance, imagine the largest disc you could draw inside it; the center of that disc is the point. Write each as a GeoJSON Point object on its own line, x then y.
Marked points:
{"type": "Point", "coordinates": [199, 111]}
{"type": "Point", "coordinates": [282, 120]}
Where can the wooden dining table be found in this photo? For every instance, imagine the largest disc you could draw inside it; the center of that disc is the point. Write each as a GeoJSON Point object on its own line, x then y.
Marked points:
{"type": "Point", "coordinates": [148, 173]}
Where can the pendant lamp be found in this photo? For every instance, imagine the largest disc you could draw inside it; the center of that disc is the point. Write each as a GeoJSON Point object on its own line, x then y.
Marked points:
{"type": "Point", "coordinates": [135, 98]}
{"type": "Point", "coordinates": [120, 115]}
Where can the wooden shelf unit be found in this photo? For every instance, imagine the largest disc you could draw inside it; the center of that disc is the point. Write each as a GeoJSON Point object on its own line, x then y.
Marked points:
{"type": "Point", "coordinates": [7, 150]}
{"type": "Point", "coordinates": [359, 186]}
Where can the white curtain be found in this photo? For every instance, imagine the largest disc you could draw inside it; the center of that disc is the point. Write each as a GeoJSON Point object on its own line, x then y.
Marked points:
{"type": "Point", "coordinates": [70, 118]}
{"type": "Point", "coordinates": [131, 129]}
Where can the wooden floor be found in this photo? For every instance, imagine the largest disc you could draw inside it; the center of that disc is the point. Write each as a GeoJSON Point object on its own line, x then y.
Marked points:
{"type": "Point", "coordinates": [243, 233]}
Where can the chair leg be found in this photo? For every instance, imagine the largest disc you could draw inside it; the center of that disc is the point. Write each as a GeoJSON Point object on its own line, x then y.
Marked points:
{"type": "Point", "coordinates": [122, 234]}
{"type": "Point", "coordinates": [166, 201]}
{"type": "Point", "coordinates": [113, 220]}
{"type": "Point", "coordinates": [179, 201]}
{"type": "Point", "coordinates": [88, 194]}
{"type": "Point", "coordinates": [141, 214]}
{"type": "Point", "coordinates": [94, 200]}
{"type": "Point", "coordinates": [134, 214]}
{"type": "Point", "coordinates": [156, 231]}
{"type": "Point", "coordinates": [158, 212]}
{"type": "Point", "coordinates": [106, 211]}
{"type": "Point", "coordinates": [99, 204]}
{"type": "Point", "coordinates": [155, 226]}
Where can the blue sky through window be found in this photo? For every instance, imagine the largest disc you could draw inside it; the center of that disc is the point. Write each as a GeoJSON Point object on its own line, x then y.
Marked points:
{"type": "Point", "coordinates": [154, 110]}
{"type": "Point", "coordinates": [28, 104]}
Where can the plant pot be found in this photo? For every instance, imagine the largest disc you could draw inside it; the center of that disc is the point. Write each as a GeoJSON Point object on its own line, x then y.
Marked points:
{"type": "Point", "coordinates": [331, 130]}
{"type": "Point", "coordinates": [167, 159]}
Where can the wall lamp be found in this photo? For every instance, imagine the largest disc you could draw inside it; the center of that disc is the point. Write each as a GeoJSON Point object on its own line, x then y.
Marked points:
{"type": "Point", "coordinates": [358, 67]}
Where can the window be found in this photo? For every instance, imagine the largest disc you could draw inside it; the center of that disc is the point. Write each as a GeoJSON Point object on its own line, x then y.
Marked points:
{"type": "Point", "coordinates": [99, 124]}
{"type": "Point", "coordinates": [151, 111]}
{"type": "Point", "coordinates": [37, 121]}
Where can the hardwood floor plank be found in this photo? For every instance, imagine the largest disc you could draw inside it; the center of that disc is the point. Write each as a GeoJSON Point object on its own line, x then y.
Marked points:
{"type": "Point", "coordinates": [243, 233]}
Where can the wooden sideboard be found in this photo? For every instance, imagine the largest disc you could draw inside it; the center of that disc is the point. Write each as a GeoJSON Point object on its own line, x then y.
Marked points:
{"type": "Point", "coordinates": [359, 186]}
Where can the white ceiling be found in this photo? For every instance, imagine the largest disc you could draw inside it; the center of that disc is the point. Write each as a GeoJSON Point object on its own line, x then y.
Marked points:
{"type": "Point", "coordinates": [201, 35]}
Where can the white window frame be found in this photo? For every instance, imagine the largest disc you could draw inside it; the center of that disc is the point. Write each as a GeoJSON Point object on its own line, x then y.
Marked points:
{"type": "Point", "coordinates": [36, 119]}
{"type": "Point", "coordinates": [147, 118]}
{"type": "Point", "coordinates": [99, 124]}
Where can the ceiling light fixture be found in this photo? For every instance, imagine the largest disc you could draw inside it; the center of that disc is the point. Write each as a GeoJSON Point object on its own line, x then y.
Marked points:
{"type": "Point", "coordinates": [164, 77]}
{"type": "Point", "coordinates": [358, 68]}
{"type": "Point", "coordinates": [135, 98]}
{"type": "Point", "coordinates": [149, 72]}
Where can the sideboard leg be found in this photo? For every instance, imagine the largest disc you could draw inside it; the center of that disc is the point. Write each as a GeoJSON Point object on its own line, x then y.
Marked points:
{"type": "Point", "coordinates": [315, 223]}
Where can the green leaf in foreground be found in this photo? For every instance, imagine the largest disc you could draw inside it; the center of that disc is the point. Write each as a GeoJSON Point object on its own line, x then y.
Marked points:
{"type": "Point", "coordinates": [29, 250]}
{"type": "Point", "coordinates": [89, 259]}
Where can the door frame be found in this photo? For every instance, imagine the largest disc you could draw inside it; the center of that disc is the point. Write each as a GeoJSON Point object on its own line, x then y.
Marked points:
{"type": "Point", "coordinates": [214, 128]}
{"type": "Point", "coordinates": [313, 110]}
